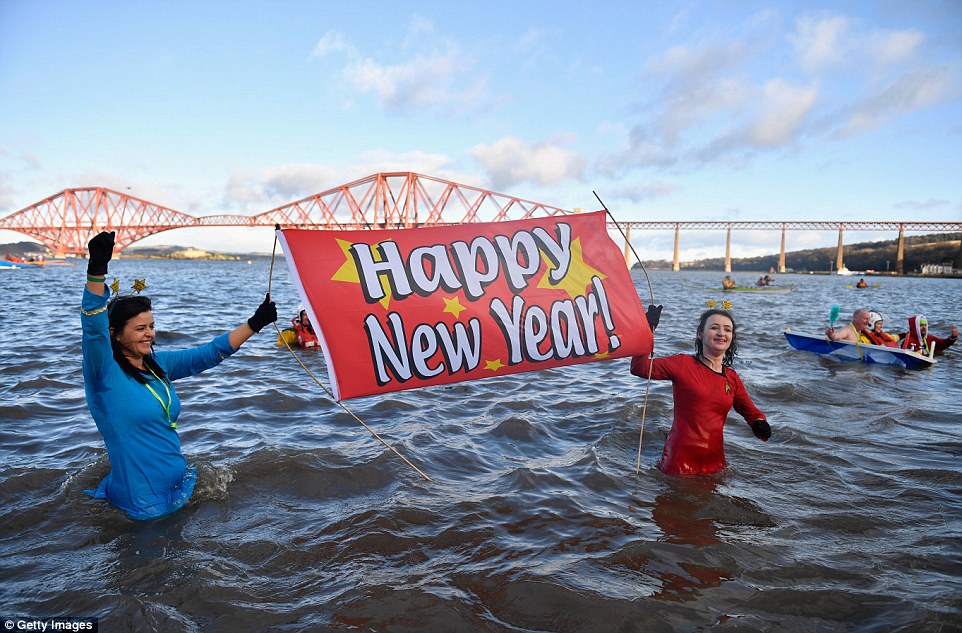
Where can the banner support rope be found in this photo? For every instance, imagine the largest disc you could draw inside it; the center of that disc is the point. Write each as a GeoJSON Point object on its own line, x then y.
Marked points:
{"type": "Point", "coordinates": [270, 278]}
{"type": "Point", "coordinates": [651, 293]}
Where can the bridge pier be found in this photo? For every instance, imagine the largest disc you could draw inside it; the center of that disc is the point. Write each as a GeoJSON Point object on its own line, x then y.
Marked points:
{"type": "Point", "coordinates": [675, 266]}
{"type": "Point", "coordinates": [839, 264]}
{"type": "Point", "coordinates": [728, 250]}
{"type": "Point", "coordinates": [628, 246]}
{"type": "Point", "coordinates": [781, 253]}
{"type": "Point", "coordinates": [900, 254]}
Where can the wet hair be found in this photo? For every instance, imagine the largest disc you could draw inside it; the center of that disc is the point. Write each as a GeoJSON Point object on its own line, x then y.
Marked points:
{"type": "Point", "coordinates": [120, 310]}
{"type": "Point", "coordinates": [732, 349]}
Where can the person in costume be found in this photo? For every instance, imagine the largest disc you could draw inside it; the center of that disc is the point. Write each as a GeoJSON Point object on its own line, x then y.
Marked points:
{"type": "Point", "coordinates": [306, 337]}
{"type": "Point", "coordinates": [704, 388]}
{"type": "Point", "coordinates": [875, 335]}
{"type": "Point", "coordinates": [851, 331]}
{"type": "Point", "coordinates": [918, 339]}
{"type": "Point", "coordinates": [130, 392]}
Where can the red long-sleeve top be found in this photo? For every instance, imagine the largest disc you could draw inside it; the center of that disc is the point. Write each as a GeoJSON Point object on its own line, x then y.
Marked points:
{"type": "Point", "coordinates": [703, 399]}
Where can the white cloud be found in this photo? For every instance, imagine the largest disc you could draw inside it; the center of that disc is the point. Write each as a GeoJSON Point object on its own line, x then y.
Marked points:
{"type": "Point", "coordinates": [333, 42]}
{"type": "Point", "coordinates": [509, 162]}
{"type": "Point", "coordinates": [256, 192]}
{"type": "Point", "coordinates": [782, 114]}
{"type": "Point", "coordinates": [382, 161]}
{"type": "Point", "coordinates": [824, 42]}
{"type": "Point", "coordinates": [916, 89]}
{"type": "Point", "coordinates": [892, 47]}
{"type": "Point", "coordinates": [436, 75]}
{"type": "Point", "coordinates": [642, 192]}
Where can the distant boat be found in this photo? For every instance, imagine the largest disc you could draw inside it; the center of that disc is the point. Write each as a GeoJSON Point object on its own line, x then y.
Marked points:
{"type": "Point", "coordinates": [847, 350]}
{"type": "Point", "coordinates": [771, 290]}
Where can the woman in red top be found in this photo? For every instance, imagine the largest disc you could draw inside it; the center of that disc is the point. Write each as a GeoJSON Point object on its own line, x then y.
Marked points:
{"type": "Point", "coordinates": [705, 388]}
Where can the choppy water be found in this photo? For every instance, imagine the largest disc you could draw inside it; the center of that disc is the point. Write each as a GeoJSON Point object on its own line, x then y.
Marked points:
{"type": "Point", "coordinates": [848, 519]}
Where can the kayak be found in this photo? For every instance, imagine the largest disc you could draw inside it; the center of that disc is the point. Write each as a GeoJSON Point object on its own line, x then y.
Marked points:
{"type": "Point", "coordinates": [772, 290]}
{"type": "Point", "coordinates": [847, 350]}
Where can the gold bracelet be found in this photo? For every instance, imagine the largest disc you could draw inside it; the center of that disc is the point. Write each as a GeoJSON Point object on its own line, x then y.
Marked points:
{"type": "Point", "coordinates": [93, 312]}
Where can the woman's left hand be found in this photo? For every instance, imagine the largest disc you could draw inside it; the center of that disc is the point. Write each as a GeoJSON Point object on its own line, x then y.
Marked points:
{"type": "Point", "coordinates": [266, 313]}
{"type": "Point", "coordinates": [762, 430]}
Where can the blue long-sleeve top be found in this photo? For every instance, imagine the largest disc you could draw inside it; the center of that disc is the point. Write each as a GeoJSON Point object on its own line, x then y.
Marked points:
{"type": "Point", "coordinates": [149, 476]}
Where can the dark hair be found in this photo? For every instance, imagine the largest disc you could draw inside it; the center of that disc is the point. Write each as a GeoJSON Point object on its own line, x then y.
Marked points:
{"type": "Point", "coordinates": [120, 310]}
{"type": "Point", "coordinates": [732, 349]}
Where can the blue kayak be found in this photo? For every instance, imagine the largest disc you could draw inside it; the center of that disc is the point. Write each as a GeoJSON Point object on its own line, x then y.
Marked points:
{"type": "Point", "coordinates": [847, 350]}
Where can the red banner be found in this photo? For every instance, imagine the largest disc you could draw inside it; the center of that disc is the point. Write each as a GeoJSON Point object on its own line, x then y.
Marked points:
{"type": "Point", "coordinates": [406, 308]}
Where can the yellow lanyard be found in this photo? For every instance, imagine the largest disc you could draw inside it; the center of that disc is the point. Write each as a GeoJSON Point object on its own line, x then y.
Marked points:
{"type": "Point", "coordinates": [166, 407]}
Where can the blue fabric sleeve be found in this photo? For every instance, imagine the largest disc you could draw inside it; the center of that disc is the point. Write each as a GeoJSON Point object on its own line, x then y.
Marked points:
{"type": "Point", "coordinates": [188, 362]}
{"type": "Point", "coordinates": [95, 344]}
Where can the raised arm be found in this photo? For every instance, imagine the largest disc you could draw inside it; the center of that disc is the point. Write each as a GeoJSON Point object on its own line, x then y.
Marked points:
{"type": "Point", "coordinates": [266, 313]}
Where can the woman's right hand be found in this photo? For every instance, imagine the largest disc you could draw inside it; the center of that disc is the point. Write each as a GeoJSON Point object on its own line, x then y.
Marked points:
{"type": "Point", "coordinates": [101, 249]}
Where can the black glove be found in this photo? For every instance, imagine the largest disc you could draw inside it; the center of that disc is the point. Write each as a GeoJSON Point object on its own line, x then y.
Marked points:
{"type": "Point", "coordinates": [265, 313]}
{"type": "Point", "coordinates": [653, 314]}
{"type": "Point", "coordinates": [101, 248]}
{"type": "Point", "coordinates": [762, 430]}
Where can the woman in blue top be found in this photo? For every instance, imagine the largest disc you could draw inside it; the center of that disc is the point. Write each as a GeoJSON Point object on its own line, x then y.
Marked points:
{"type": "Point", "coordinates": [130, 392]}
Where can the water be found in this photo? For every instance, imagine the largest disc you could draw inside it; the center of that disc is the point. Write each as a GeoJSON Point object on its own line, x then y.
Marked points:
{"type": "Point", "coordinates": [848, 519]}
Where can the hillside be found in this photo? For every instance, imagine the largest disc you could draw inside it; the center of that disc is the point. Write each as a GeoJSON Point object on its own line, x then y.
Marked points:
{"type": "Point", "coordinates": [875, 256]}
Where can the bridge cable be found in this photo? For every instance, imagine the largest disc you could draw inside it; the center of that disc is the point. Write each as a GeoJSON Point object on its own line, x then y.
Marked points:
{"type": "Point", "coordinates": [651, 293]}
{"type": "Point", "coordinates": [320, 384]}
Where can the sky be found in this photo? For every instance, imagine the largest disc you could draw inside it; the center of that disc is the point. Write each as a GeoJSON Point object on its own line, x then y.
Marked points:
{"type": "Point", "coordinates": [734, 110]}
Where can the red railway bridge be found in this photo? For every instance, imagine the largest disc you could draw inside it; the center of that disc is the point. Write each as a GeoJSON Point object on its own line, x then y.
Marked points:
{"type": "Point", "coordinates": [65, 221]}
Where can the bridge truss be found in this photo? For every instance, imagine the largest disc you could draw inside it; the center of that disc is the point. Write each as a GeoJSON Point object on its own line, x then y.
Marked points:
{"type": "Point", "coordinates": [66, 221]}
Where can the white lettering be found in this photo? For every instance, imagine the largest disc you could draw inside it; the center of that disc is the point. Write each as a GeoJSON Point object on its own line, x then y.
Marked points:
{"type": "Point", "coordinates": [370, 271]}
{"type": "Point", "coordinates": [558, 252]}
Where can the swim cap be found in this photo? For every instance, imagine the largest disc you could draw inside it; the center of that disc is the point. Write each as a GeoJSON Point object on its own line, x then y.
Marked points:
{"type": "Point", "coordinates": [923, 321]}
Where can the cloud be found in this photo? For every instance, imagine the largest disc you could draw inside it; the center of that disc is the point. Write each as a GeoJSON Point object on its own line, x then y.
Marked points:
{"type": "Point", "coordinates": [932, 204]}
{"type": "Point", "coordinates": [821, 43]}
{"type": "Point", "coordinates": [892, 47]}
{"type": "Point", "coordinates": [826, 43]}
{"type": "Point", "coordinates": [441, 77]}
{"type": "Point", "coordinates": [332, 43]}
{"type": "Point", "coordinates": [382, 161]}
{"type": "Point", "coordinates": [259, 191]}
{"type": "Point", "coordinates": [782, 114]}
{"type": "Point", "coordinates": [509, 161]}
{"type": "Point", "coordinates": [828, 78]}
{"type": "Point", "coordinates": [915, 89]}
{"type": "Point", "coordinates": [640, 193]}
{"type": "Point", "coordinates": [7, 194]}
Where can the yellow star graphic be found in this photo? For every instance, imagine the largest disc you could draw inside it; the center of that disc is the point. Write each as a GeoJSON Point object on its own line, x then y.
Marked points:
{"type": "Point", "coordinates": [115, 286]}
{"type": "Point", "coordinates": [493, 365]}
{"type": "Point", "coordinates": [348, 272]}
{"type": "Point", "coordinates": [139, 284]}
{"type": "Point", "coordinates": [579, 273]}
{"type": "Point", "coordinates": [453, 305]}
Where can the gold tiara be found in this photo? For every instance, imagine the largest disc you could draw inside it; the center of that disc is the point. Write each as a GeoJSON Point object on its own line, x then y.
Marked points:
{"type": "Point", "coordinates": [726, 304]}
{"type": "Point", "coordinates": [139, 284]}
